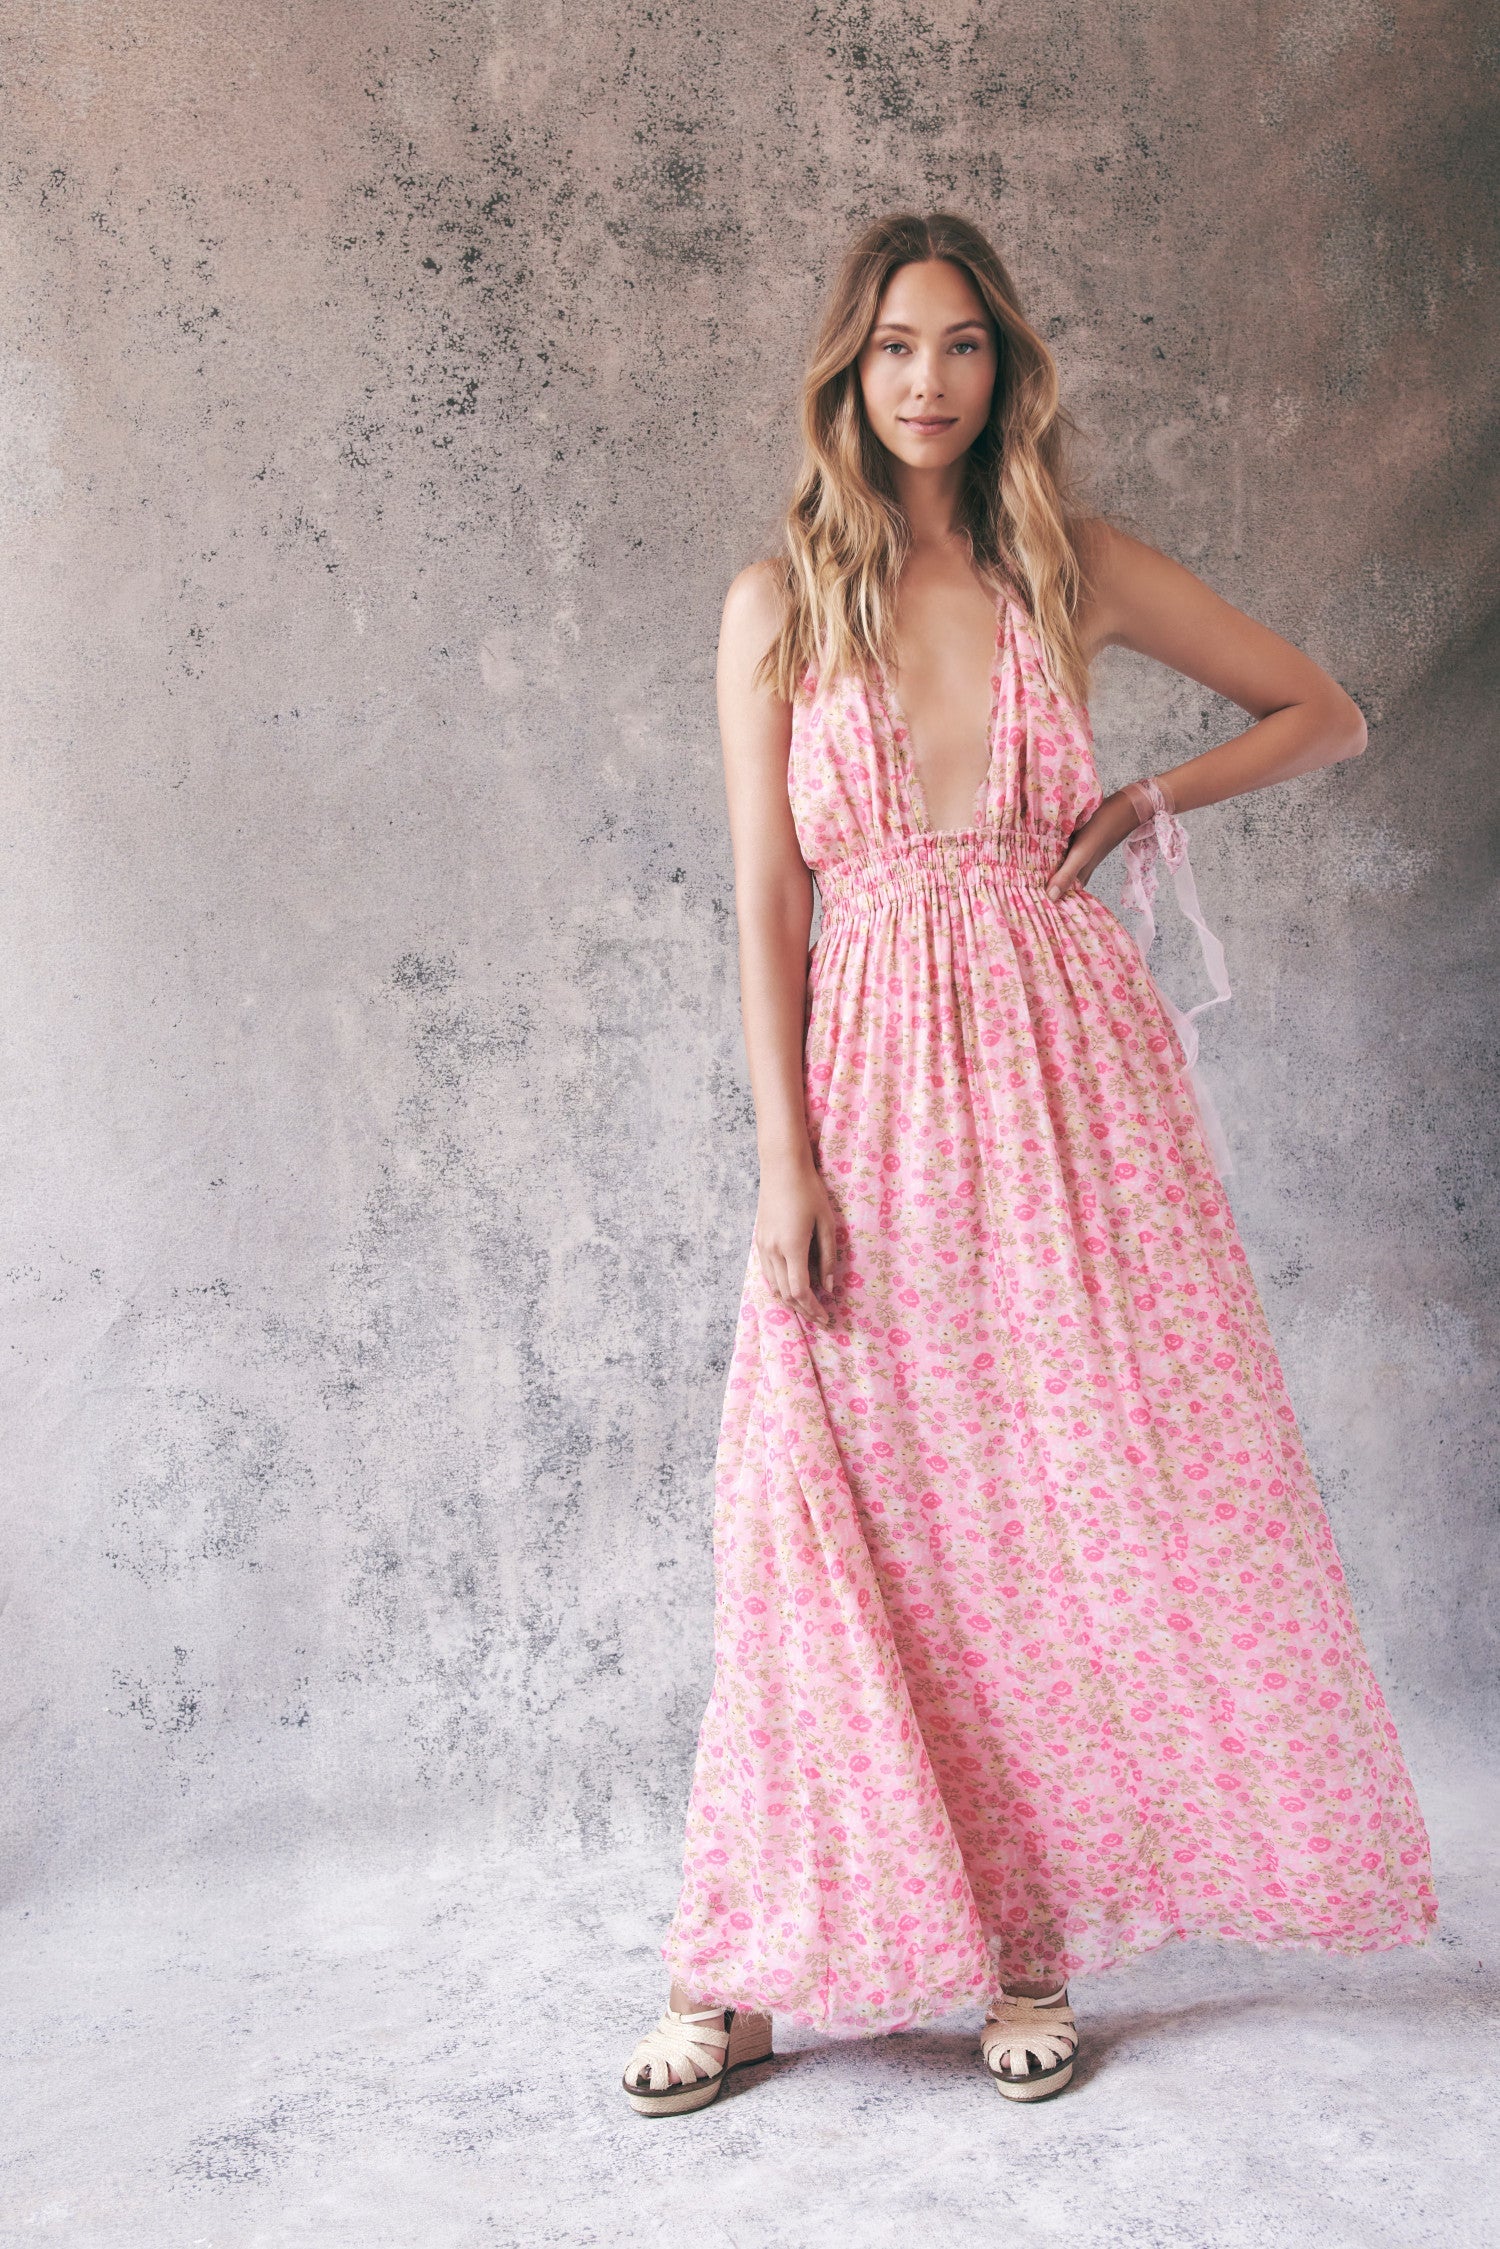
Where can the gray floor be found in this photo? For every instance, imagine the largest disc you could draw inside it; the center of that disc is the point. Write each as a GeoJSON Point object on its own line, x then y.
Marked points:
{"type": "Point", "coordinates": [426, 2053]}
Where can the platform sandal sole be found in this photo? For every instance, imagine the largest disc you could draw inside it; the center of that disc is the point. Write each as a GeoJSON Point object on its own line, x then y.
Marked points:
{"type": "Point", "coordinates": [747, 2046]}
{"type": "Point", "coordinates": [1039, 2086]}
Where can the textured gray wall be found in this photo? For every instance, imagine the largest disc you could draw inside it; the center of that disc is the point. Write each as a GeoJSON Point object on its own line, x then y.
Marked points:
{"type": "Point", "coordinates": [388, 394]}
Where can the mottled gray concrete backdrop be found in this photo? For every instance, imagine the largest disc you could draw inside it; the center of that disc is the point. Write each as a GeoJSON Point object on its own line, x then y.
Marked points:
{"type": "Point", "coordinates": [388, 394]}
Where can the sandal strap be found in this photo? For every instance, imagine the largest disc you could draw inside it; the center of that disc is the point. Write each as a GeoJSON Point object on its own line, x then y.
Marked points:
{"type": "Point", "coordinates": [1015, 2027]}
{"type": "Point", "coordinates": [692, 2045]}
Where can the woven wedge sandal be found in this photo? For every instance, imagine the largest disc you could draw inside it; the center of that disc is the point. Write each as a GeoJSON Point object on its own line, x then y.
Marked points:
{"type": "Point", "coordinates": [1016, 2029]}
{"type": "Point", "coordinates": [702, 2048]}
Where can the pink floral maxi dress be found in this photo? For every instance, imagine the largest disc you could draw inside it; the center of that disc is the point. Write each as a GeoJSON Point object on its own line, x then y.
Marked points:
{"type": "Point", "coordinates": [1032, 1645]}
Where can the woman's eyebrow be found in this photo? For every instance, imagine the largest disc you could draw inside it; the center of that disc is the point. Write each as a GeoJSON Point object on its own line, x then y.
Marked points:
{"type": "Point", "coordinates": [900, 327]}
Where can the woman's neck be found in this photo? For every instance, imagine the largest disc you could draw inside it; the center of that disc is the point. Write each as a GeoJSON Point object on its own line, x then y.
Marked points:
{"type": "Point", "coordinates": [929, 500]}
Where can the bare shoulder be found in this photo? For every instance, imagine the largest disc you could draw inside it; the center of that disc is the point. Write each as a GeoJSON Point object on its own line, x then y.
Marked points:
{"type": "Point", "coordinates": [1121, 574]}
{"type": "Point", "coordinates": [754, 610]}
{"type": "Point", "coordinates": [755, 604]}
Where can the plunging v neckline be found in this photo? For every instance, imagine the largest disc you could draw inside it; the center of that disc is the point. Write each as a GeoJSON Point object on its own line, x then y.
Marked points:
{"type": "Point", "coordinates": [900, 733]}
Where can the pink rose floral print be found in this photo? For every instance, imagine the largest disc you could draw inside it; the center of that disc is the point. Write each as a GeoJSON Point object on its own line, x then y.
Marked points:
{"type": "Point", "coordinates": [1032, 1645]}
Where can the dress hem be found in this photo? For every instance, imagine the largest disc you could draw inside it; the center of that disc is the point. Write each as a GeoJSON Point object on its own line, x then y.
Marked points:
{"type": "Point", "coordinates": [978, 1991]}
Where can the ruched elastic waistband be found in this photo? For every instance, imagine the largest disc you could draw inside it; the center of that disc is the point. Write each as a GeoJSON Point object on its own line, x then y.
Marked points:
{"type": "Point", "coordinates": [923, 864]}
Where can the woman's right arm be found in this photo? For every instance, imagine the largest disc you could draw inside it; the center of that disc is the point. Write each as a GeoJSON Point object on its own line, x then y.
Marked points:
{"type": "Point", "coordinates": [794, 1220]}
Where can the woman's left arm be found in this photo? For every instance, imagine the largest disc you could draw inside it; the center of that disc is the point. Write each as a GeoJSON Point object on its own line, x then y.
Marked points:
{"type": "Point", "coordinates": [1140, 598]}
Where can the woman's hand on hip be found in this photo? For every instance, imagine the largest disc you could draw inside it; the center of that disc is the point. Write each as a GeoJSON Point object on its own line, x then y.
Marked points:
{"type": "Point", "coordinates": [1090, 845]}
{"type": "Point", "coordinates": [794, 1238]}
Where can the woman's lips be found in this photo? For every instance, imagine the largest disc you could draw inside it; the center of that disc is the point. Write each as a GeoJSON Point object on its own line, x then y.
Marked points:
{"type": "Point", "coordinates": [927, 425]}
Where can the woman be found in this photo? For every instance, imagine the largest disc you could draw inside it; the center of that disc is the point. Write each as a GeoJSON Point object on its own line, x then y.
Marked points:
{"type": "Point", "coordinates": [1032, 1645]}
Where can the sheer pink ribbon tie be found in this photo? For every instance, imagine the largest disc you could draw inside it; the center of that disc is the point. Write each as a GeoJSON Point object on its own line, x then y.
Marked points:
{"type": "Point", "coordinates": [1163, 836]}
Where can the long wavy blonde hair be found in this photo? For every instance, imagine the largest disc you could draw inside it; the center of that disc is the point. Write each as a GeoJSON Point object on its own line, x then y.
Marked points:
{"type": "Point", "coordinates": [846, 537]}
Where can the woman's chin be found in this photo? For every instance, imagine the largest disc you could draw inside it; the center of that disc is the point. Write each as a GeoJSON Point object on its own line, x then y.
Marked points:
{"type": "Point", "coordinates": [937, 452]}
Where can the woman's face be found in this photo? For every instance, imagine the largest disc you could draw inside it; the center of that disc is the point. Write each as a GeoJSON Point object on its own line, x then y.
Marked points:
{"type": "Point", "coordinates": [928, 367]}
